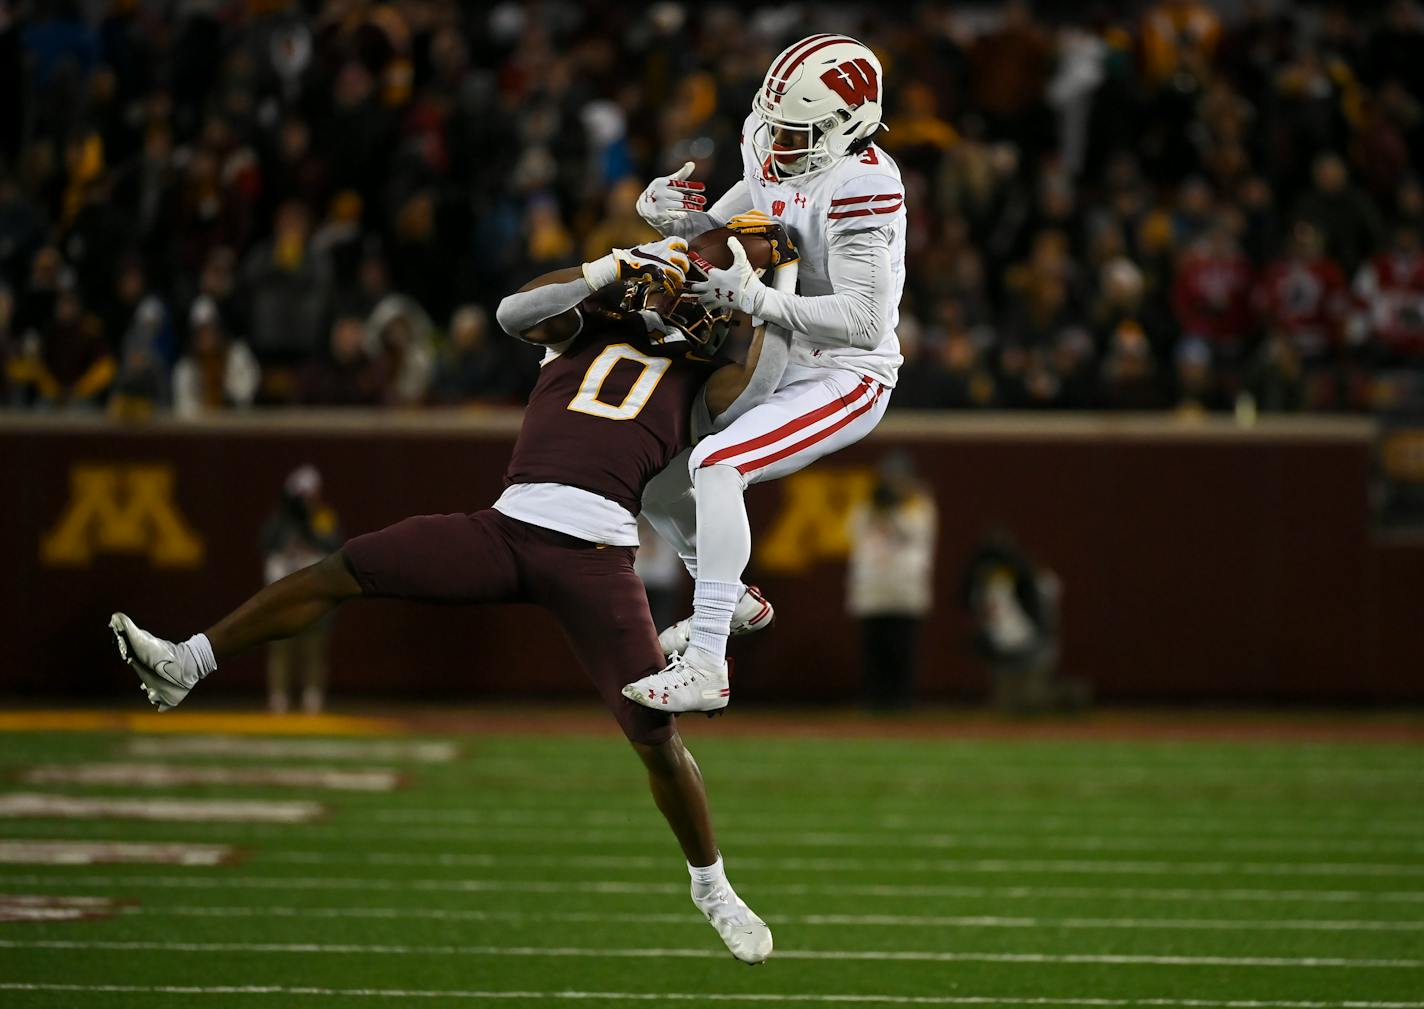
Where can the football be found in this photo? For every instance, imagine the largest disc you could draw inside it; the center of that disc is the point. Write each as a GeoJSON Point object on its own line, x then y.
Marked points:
{"type": "Point", "coordinates": [710, 249]}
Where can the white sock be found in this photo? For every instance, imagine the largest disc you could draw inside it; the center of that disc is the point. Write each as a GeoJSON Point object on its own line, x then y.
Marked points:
{"type": "Point", "coordinates": [724, 546]}
{"type": "Point", "coordinates": [707, 878]}
{"type": "Point", "coordinates": [713, 604]}
{"type": "Point", "coordinates": [199, 651]}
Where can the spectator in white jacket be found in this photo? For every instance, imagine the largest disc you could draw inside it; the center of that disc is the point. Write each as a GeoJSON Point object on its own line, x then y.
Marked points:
{"type": "Point", "coordinates": [217, 373]}
{"type": "Point", "coordinates": [891, 578]}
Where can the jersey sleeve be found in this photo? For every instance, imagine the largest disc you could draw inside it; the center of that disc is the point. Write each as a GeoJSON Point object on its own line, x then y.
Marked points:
{"type": "Point", "coordinates": [865, 201]}
{"type": "Point", "coordinates": [861, 220]}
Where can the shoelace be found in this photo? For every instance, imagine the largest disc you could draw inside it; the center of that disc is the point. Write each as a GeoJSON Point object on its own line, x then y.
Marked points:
{"type": "Point", "coordinates": [679, 673]}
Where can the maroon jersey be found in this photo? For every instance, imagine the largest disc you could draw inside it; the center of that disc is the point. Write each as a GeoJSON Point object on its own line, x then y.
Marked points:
{"type": "Point", "coordinates": [1307, 299]}
{"type": "Point", "coordinates": [1212, 297]}
{"type": "Point", "coordinates": [610, 412]}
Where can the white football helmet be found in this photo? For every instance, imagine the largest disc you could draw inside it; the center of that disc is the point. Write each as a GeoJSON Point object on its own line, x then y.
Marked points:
{"type": "Point", "coordinates": [820, 101]}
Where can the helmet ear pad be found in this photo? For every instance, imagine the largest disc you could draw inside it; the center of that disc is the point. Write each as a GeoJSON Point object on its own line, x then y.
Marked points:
{"type": "Point", "coordinates": [856, 133]}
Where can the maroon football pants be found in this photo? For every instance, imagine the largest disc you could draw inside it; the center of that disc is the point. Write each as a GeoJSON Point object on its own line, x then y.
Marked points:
{"type": "Point", "coordinates": [488, 557]}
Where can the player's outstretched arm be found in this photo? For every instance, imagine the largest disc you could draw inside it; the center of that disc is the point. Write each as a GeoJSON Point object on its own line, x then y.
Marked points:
{"type": "Point", "coordinates": [545, 310]}
{"type": "Point", "coordinates": [676, 205]}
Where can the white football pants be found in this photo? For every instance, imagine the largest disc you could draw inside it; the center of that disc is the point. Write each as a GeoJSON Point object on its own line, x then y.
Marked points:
{"type": "Point", "coordinates": [815, 412]}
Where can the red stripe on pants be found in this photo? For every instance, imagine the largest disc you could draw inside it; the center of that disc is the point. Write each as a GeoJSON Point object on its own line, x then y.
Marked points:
{"type": "Point", "coordinates": [826, 432]}
{"type": "Point", "coordinates": [789, 428]}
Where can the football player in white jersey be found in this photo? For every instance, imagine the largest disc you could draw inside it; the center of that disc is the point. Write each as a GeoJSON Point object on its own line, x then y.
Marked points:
{"type": "Point", "coordinates": [809, 160]}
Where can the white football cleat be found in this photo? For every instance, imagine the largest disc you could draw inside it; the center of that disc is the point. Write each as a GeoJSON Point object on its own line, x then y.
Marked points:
{"type": "Point", "coordinates": [157, 662]}
{"type": "Point", "coordinates": [682, 686]}
{"type": "Point", "coordinates": [753, 613]}
{"type": "Point", "coordinates": [745, 934]}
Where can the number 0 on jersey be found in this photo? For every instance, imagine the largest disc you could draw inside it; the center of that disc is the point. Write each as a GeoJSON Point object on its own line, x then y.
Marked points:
{"type": "Point", "coordinates": [587, 401]}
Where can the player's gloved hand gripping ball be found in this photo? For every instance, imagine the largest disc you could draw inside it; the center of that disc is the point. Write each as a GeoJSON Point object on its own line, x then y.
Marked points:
{"type": "Point", "coordinates": [663, 264]}
{"type": "Point", "coordinates": [669, 197]}
{"type": "Point", "coordinates": [736, 287]}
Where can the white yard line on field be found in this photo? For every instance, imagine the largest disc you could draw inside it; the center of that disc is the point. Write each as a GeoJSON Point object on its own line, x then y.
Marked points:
{"type": "Point", "coordinates": [1068, 835]}
{"type": "Point", "coordinates": [1060, 833]}
{"type": "Point", "coordinates": [616, 996]}
{"type": "Point", "coordinates": [572, 834]}
{"type": "Point", "coordinates": [962, 819]}
{"type": "Point", "coordinates": [703, 953]}
{"type": "Point", "coordinates": [1067, 771]}
{"type": "Point", "coordinates": [990, 866]}
{"type": "Point", "coordinates": [1334, 816]}
{"type": "Point", "coordinates": [505, 885]}
{"type": "Point", "coordinates": [859, 920]}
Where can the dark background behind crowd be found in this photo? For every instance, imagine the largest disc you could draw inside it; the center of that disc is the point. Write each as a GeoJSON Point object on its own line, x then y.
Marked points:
{"type": "Point", "coordinates": [215, 203]}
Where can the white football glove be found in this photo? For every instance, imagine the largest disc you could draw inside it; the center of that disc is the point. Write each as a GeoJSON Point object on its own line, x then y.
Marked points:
{"type": "Point", "coordinates": [669, 198]}
{"type": "Point", "coordinates": [735, 287]}
{"type": "Point", "coordinates": [663, 262]}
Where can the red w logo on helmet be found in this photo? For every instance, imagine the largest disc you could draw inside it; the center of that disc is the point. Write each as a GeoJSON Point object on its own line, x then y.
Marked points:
{"type": "Point", "coordinates": [855, 81]}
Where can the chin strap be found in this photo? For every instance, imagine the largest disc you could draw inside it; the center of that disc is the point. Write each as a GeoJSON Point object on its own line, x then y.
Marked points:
{"type": "Point", "coordinates": [859, 146]}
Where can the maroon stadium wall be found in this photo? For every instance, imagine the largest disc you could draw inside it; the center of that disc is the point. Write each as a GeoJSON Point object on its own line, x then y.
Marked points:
{"type": "Point", "coordinates": [1198, 560]}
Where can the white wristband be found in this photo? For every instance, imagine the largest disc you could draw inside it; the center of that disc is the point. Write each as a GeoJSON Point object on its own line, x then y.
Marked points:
{"type": "Point", "coordinates": [601, 272]}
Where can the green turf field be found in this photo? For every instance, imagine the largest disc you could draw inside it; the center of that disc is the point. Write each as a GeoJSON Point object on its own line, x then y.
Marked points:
{"type": "Point", "coordinates": [534, 871]}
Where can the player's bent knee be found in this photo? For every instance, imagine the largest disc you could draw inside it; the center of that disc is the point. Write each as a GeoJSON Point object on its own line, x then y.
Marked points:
{"type": "Point", "coordinates": [699, 462]}
{"type": "Point", "coordinates": [338, 576]}
{"type": "Point", "coordinates": [646, 729]}
{"type": "Point", "coordinates": [697, 459]}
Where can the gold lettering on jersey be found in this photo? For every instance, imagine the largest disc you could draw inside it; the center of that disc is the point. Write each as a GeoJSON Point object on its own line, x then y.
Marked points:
{"type": "Point", "coordinates": [812, 523]}
{"type": "Point", "coordinates": [121, 509]}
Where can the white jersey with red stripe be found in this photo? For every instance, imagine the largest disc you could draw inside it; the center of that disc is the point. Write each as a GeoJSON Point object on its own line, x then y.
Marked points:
{"type": "Point", "coordinates": [844, 221]}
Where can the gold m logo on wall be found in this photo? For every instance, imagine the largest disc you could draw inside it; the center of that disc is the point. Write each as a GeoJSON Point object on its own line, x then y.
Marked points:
{"type": "Point", "coordinates": [1402, 454]}
{"type": "Point", "coordinates": [812, 523]}
{"type": "Point", "coordinates": [121, 510]}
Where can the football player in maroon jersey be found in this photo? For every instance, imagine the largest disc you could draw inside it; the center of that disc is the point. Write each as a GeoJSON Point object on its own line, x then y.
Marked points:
{"type": "Point", "coordinates": [628, 363]}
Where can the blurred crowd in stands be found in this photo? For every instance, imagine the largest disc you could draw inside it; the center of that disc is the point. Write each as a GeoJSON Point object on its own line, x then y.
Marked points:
{"type": "Point", "coordinates": [214, 203]}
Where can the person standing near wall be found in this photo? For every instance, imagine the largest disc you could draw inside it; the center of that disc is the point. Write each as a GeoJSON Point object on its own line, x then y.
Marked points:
{"type": "Point", "coordinates": [891, 576]}
{"type": "Point", "coordinates": [302, 531]}
{"type": "Point", "coordinates": [1014, 602]}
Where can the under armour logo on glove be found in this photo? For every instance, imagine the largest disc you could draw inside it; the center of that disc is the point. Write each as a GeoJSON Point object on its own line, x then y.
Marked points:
{"type": "Point", "coordinates": [670, 197]}
{"type": "Point", "coordinates": [735, 287]}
